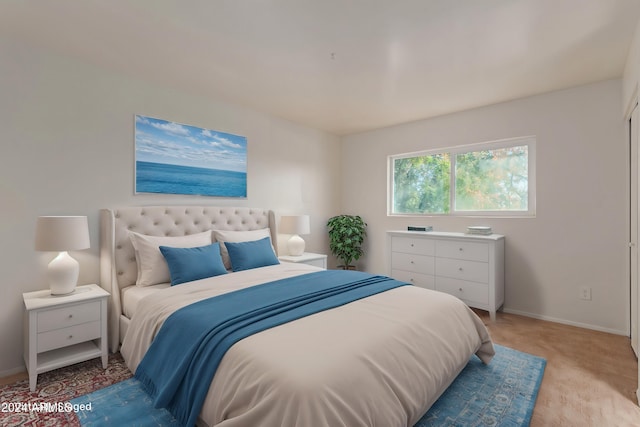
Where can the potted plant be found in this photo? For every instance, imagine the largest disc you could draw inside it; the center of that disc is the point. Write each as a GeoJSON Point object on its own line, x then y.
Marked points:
{"type": "Point", "coordinates": [346, 234]}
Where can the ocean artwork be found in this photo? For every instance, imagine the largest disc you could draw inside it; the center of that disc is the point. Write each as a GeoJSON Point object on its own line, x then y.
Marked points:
{"type": "Point", "coordinates": [174, 158]}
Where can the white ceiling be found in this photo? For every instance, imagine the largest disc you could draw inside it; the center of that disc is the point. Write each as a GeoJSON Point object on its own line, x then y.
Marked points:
{"type": "Point", "coordinates": [343, 66]}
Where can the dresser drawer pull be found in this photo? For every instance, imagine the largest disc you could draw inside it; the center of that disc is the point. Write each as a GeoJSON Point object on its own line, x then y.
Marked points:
{"type": "Point", "coordinates": [71, 316]}
{"type": "Point", "coordinates": [460, 289]}
{"type": "Point", "coordinates": [460, 249]}
{"type": "Point", "coordinates": [70, 337]}
{"type": "Point", "coordinates": [459, 268]}
{"type": "Point", "coordinates": [412, 262]}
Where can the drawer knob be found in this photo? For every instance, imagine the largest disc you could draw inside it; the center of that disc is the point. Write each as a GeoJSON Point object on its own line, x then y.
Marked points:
{"type": "Point", "coordinates": [70, 336]}
{"type": "Point", "coordinates": [412, 262]}
{"type": "Point", "coordinates": [411, 280]}
{"type": "Point", "coordinates": [460, 289]}
{"type": "Point", "coordinates": [71, 316]}
{"type": "Point", "coordinates": [460, 249]}
{"type": "Point", "coordinates": [412, 245]}
{"type": "Point", "coordinates": [460, 268]}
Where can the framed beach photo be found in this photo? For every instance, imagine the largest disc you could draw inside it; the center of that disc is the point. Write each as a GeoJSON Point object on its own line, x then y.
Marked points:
{"type": "Point", "coordinates": [174, 158]}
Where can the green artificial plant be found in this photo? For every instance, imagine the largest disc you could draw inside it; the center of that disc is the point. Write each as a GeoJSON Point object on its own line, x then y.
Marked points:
{"type": "Point", "coordinates": [346, 235]}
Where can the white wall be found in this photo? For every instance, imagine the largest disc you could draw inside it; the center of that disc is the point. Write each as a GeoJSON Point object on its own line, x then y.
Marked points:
{"type": "Point", "coordinates": [579, 235]}
{"type": "Point", "coordinates": [631, 73]}
{"type": "Point", "coordinates": [66, 132]}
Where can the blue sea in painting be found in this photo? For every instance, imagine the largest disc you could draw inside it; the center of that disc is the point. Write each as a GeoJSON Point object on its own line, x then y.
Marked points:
{"type": "Point", "coordinates": [175, 179]}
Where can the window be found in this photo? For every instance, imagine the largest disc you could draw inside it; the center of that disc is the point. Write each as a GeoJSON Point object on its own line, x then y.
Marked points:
{"type": "Point", "coordinates": [495, 178]}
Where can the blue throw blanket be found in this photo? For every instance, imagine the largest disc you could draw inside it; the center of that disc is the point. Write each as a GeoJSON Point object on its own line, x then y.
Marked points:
{"type": "Point", "coordinates": [182, 360]}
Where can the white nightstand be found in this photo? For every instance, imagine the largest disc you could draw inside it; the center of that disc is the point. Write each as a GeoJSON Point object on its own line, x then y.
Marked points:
{"type": "Point", "coordinates": [319, 260]}
{"type": "Point", "coordinates": [61, 330]}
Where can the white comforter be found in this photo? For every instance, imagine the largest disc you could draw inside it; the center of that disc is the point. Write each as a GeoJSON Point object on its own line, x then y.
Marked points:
{"type": "Point", "coordinates": [380, 361]}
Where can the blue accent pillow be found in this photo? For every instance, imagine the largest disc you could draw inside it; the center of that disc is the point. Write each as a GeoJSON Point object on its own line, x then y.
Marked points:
{"type": "Point", "coordinates": [253, 254]}
{"type": "Point", "coordinates": [187, 264]}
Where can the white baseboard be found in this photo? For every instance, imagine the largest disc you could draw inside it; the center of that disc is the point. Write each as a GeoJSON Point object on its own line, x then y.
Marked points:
{"type": "Point", "coordinates": [567, 322]}
{"type": "Point", "coordinates": [12, 371]}
{"type": "Point", "coordinates": [638, 396]}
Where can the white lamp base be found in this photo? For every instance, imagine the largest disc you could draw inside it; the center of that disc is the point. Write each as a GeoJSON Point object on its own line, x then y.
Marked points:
{"type": "Point", "coordinates": [63, 274]}
{"type": "Point", "coordinates": [295, 245]}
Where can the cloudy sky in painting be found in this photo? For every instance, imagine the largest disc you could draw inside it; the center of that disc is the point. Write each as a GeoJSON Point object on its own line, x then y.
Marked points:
{"type": "Point", "coordinates": [160, 141]}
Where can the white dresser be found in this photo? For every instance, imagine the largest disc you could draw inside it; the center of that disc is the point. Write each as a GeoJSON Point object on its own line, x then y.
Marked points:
{"type": "Point", "coordinates": [470, 267]}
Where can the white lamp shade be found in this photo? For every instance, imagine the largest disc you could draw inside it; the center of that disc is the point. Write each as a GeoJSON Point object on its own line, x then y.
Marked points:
{"type": "Point", "coordinates": [62, 233]}
{"type": "Point", "coordinates": [295, 224]}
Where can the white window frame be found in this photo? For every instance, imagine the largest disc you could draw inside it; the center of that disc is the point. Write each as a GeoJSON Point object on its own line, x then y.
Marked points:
{"type": "Point", "coordinates": [529, 141]}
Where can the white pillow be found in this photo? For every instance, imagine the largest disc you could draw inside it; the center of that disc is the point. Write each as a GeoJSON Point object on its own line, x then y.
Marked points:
{"type": "Point", "coordinates": [236, 237]}
{"type": "Point", "coordinates": [152, 267]}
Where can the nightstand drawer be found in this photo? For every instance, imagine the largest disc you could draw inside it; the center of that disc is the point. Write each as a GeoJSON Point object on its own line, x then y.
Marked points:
{"type": "Point", "coordinates": [471, 251]}
{"type": "Point", "coordinates": [469, 292]}
{"type": "Point", "coordinates": [318, 263]}
{"type": "Point", "coordinates": [411, 245]}
{"type": "Point", "coordinates": [410, 262]}
{"type": "Point", "coordinates": [463, 270]}
{"type": "Point", "coordinates": [309, 258]}
{"type": "Point", "coordinates": [68, 336]}
{"type": "Point", "coordinates": [69, 315]}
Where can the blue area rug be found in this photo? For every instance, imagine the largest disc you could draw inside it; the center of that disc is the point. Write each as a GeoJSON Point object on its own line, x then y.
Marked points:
{"type": "Point", "coordinates": [502, 393]}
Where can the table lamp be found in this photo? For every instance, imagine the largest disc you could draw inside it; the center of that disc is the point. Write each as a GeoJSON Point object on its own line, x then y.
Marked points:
{"type": "Point", "coordinates": [295, 225]}
{"type": "Point", "coordinates": [62, 234]}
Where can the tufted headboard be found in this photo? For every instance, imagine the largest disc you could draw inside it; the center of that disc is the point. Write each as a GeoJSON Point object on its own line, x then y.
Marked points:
{"type": "Point", "coordinates": [118, 267]}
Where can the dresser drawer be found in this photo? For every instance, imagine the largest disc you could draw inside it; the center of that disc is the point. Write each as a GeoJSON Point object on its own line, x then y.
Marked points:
{"type": "Point", "coordinates": [410, 245]}
{"type": "Point", "coordinates": [410, 262]}
{"type": "Point", "coordinates": [417, 279]}
{"type": "Point", "coordinates": [471, 251]}
{"type": "Point", "coordinates": [463, 270]}
{"type": "Point", "coordinates": [68, 336]}
{"type": "Point", "coordinates": [470, 292]}
{"type": "Point", "coordinates": [69, 315]}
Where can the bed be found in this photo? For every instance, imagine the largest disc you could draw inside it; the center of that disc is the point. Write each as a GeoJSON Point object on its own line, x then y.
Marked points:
{"type": "Point", "coordinates": [380, 360]}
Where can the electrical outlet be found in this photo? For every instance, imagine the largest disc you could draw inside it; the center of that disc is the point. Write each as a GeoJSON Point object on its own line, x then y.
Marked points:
{"type": "Point", "coordinates": [585, 293]}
